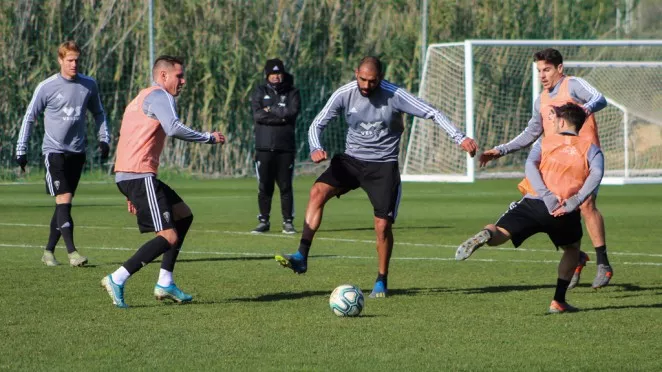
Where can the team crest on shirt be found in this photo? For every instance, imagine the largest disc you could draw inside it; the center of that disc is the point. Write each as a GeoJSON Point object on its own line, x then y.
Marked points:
{"type": "Point", "coordinates": [370, 128]}
{"type": "Point", "coordinates": [570, 150]}
{"type": "Point", "coordinates": [166, 216]}
{"type": "Point", "coordinates": [71, 113]}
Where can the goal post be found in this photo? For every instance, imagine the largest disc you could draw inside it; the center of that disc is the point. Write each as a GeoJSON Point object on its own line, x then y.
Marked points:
{"type": "Point", "coordinates": [486, 88]}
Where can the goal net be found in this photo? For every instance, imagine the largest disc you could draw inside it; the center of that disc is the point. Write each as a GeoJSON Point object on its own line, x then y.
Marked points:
{"type": "Point", "coordinates": [487, 87]}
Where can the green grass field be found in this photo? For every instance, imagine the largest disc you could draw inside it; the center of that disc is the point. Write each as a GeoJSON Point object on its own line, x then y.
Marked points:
{"type": "Point", "coordinates": [487, 313]}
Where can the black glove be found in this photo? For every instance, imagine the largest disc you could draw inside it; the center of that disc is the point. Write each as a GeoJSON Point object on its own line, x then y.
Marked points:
{"type": "Point", "coordinates": [22, 161]}
{"type": "Point", "coordinates": [104, 149]}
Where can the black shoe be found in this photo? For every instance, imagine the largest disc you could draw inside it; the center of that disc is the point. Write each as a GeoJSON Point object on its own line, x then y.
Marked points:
{"type": "Point", "coordinates": [261, 227]}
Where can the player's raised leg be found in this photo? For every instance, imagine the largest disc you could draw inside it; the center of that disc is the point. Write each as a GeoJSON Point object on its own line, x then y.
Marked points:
{"type": "Point", "coordinates": [491, 235]}
{"type": "Point", "coordinates": [320, 193]}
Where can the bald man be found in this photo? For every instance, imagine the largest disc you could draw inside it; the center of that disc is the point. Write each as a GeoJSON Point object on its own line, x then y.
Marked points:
{"type": "Point", "coordinates": [373, 109]}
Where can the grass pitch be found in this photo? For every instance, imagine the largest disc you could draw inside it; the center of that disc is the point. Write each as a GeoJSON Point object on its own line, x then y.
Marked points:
{"type": "Point", "coordinates": [249, 314]}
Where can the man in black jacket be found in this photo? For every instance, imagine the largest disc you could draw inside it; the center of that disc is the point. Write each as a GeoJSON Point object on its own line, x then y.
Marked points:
{"type": "Point", "coordinates": [275, 106]}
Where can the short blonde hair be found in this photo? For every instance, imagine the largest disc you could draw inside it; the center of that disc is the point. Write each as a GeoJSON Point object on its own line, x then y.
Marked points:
{"type": "Point", "coordinates": [66, 47]}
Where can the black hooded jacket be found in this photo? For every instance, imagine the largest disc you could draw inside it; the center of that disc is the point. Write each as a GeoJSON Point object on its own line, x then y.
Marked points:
{"type": "Point", "coordinates": [275, 110]}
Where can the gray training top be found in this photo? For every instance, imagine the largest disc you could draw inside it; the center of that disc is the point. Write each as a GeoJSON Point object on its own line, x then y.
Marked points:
{"type": "Point", "coordinates": [375, 123]}
{"type": "Point", "coordinates": [64, 103]}
{"type": "Point", "coordinates": [596, 168]}
{"type": "Point", "coordinates": [160, 105]}
{"type": "Point", "coordinates": [592, 101]}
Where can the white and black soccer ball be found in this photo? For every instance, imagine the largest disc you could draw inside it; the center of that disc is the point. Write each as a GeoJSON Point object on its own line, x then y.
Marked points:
{"type": "Point", "coordinates": [346, 300]}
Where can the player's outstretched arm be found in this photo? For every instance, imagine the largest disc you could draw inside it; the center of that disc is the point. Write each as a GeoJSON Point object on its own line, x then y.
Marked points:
{"type": "Point", "coordinates": [412, 105]}
{"type": "Point", "coordinates": [593, 101]}
{"type": "Point", "coordinates": [528, 136]}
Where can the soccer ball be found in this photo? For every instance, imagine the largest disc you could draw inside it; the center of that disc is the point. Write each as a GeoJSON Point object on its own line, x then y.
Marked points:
{"type": "Point", "coordinates": [346, 300]}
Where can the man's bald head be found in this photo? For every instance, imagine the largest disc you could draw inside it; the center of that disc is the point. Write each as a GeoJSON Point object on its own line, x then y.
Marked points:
{"type": "Point", "coordinates": [372, 64]}
{"type": "Point", "coordinates": [369, 75]}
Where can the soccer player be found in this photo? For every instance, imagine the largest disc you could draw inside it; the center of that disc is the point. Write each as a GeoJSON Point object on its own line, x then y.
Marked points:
{"type": "Point", "coordinates": [275, 104]}
{"type": "Point", "coordinates": [64, 98]}
{"type": "Point", "coordinates": [148, 119]}
{"type": "Point", "coordinates": [562, 171]}
{"type": "Point", "coordinates": [373, 109]}
{"type": "Point", "coordinates": [559, 89]}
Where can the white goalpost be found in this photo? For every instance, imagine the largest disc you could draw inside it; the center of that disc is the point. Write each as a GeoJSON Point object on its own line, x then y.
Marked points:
{"type": "Point", "coordinates": [487, 88]}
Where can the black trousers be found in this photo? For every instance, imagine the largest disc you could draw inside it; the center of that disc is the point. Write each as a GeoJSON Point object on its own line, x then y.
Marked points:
{"type": "Point", "coordinates": [275, 167]}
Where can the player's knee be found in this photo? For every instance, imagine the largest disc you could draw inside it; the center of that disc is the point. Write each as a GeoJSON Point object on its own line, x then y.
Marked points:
{"type": "Point", "coordinates": [382, 227]}
{"type": "Point", "coordinates": [170, 235]}
{"type": "Point", "coordinates": [317, 194]}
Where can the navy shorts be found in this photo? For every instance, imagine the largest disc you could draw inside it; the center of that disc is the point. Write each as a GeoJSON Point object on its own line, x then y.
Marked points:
{"type": "Point", "coordinates": [380, 180]}
{"type": "Point", "coordinates": [153, 200]}
{"type": "Point", "coordinates": [63, 172]}
{"type": "Point", "coordinates": [530, 216]}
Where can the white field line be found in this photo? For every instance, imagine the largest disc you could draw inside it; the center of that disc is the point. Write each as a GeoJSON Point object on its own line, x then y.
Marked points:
{"type": "Point", "coordinates": [282, 236]}
{"type": "Point", "coordinates": [344, 257]}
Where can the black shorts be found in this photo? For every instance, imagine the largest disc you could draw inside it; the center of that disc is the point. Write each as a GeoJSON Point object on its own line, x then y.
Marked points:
{"type": "Point", "coordinates": [380, 180]}
{"type": "Point", "coordinates": [63, 172]}
{"type": "Point", "coordinates": [153, 200]}
{"type": "Point", "coordinates": [530, 216]}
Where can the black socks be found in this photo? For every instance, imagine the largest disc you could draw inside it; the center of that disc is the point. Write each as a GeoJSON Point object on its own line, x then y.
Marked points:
{"type": "Point", "coordinates": [561, 289]}
{"type": "Point", "coordinates": [146, 254]}
{"type": "Point", "coordinates": [170, 256]}
{"type": "Point", "coordinates": [601, 253]}
{"type": "Point", "coordinates": [54, 235]}
{"type": "Point", "coordinates": [382, 278]}
{"type": "Point", "coordinates": [66, 225]}
{"type": "Point", "coordinates": [304, 247]}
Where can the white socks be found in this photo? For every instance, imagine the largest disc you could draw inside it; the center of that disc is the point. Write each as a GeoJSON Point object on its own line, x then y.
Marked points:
{"type": "Point", "coordinates": [165, 278]}
{"type": "Point", "coordinates": [120, 276]}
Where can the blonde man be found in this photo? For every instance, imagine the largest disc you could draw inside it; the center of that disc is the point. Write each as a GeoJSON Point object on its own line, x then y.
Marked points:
{"type": "Point", "coordinates": [64, 98]}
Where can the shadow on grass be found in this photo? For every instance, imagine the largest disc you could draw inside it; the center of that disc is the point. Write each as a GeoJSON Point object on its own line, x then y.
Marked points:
{"type": "Point", "coordinates": [75, 206]}
{"type": "Point", "coordinates": [281, 296]}
{"type": "Point", "coordinates": [626, 287]}
{"type": "Point", "coordinates": [395, 227]}
{"type": "Point", "coordinates": [621, 307]}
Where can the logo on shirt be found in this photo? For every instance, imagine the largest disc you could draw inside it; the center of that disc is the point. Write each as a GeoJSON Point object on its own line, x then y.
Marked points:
{"type": "Point", "coordinates": [71, 113]}
{"type": "Point", "coordinates": [570, 150]}
{"type": "Point", "coordinates": [353, 110]}
{"type": "Point", "coordinates": [370, 128]}
{"type": "Point", "coordinates": [59, 97]}
{"type": "Point", "coordinates": [266, 97]}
